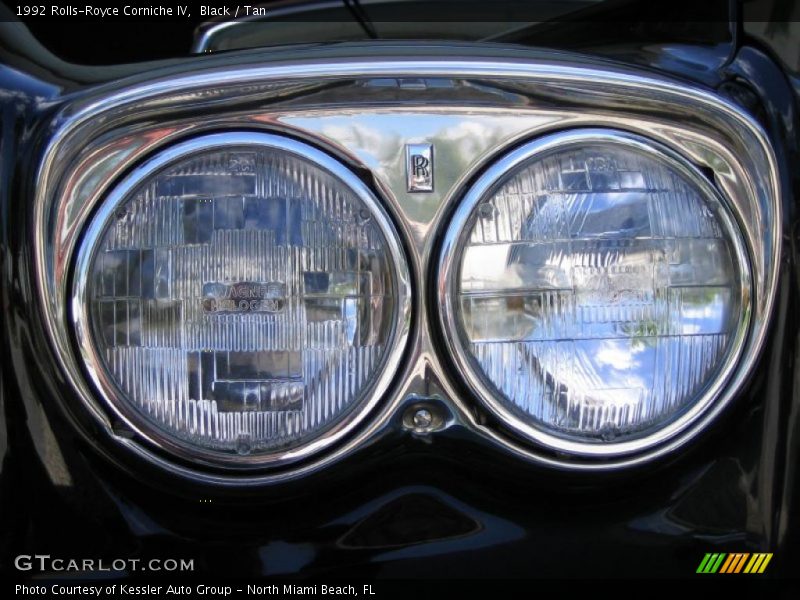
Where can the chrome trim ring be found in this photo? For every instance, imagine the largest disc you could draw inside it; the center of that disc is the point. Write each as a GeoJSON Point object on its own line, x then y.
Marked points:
{"type": "Point", "coordinates": [110, 393]}
{"type": "Point", "coordinates": [717, 394]}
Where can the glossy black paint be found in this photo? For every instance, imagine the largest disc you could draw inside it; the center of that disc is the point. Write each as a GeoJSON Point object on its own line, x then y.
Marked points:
{"type": "Point", "coordinates": [439, 507]}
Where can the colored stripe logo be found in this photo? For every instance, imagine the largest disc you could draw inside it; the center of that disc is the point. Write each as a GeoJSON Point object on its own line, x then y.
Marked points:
{"type": "Point", "coordinates": [736, 562]}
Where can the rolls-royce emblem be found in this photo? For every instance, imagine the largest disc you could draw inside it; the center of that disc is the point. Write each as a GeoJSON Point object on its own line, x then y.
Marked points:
{"type": "Point", "coordinates": [243, 297]}
{"type": "Point", "coordinates": [419, 167]}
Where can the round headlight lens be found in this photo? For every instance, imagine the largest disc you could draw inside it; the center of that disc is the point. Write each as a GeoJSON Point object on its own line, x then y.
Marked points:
{"type": "Point", "coordinates": [595, 292]}
{"type": "Point", "coordinates": [241, 299]}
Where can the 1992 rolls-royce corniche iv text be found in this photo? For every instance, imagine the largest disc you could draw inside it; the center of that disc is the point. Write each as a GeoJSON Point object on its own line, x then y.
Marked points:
{"type": "Point", "coordinates": [341, 293]}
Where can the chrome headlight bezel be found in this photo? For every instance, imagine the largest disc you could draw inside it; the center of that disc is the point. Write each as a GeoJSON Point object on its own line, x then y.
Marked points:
{"type": "Point", "coordinates": [451, 253]}
{"type": "Point", "coordinates": [100, 134]}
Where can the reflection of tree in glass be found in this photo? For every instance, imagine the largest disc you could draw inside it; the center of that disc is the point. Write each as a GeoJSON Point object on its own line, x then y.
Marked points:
{"type": "Point", "coordinates": [642, 333]}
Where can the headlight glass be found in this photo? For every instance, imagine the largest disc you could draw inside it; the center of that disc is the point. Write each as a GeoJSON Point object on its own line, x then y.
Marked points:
{"type": "Point", "coordinates": [596, 291]}
{"type": "Point", "coordinates": [241, 298]}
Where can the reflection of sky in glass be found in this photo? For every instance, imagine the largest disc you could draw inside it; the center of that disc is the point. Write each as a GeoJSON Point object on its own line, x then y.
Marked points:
{"type": "Point", "coordinates": [598, 291]}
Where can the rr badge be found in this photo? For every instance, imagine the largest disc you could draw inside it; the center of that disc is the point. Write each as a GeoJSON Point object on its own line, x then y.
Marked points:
{"type": "Point", "coordinates": [419, 167]}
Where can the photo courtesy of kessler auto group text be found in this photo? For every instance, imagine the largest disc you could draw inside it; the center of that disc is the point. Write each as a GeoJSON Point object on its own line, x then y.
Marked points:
{"type": "Point", "coordinates": [399, 298]}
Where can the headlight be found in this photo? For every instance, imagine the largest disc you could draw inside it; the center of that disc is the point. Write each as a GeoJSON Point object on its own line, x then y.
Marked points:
{"type": "Point", "coordinates": [586, 299]}
{"type": "Point", "coordinates": [240, 299]}
{"type": "Point", "coordinates": [595, 292]}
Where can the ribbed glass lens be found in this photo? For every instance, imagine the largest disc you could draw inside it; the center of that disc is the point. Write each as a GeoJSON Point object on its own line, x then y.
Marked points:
{"type": "Point", "coordinates": [597, 291]}
{"type": "Point", "coordinates": [242, 300]}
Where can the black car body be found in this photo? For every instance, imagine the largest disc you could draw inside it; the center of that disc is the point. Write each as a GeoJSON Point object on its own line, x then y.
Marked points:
{"type": "Point", "coordinates": [437, 503]}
